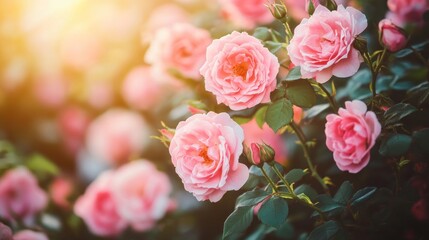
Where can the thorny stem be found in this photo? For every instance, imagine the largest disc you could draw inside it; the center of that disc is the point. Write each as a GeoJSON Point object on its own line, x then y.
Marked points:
{"type": "Point", "coordinates": [273, 185]}
{"type": "Point", "coordinates": [375, 71]}
{"type": "Point", "coordinates": [303, 141]}
{"type": "Point", "coordinates": [330, 98]}
{"type": "Point", "coordinates": [287, 184]}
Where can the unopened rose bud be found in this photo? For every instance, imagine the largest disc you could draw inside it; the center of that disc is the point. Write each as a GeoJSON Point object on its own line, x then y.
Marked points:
{"type": "Point", "coordinates": [278, 10]}
{"type": "Point", "coordinates": [391, 36]}
{"type": "Point", "coordinates": [310, 6]}
{"type": "Point", "coordinates": [267, 154]}
{"type": "Point", "coordinates": [361, 44]}
{"type": "Point", "coordinates": [331, 5]}
{"type": "Point", "coordinates": [258, 154]}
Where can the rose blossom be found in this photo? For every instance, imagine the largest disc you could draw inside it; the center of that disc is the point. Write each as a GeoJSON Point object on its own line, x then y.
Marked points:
{"type": "Point", "coordinates": [391, 36]}
{"type": "Point", "coordinates": [254, 134]}
{"type": "Point", "coordinates": [180, 47]}
{"type": "Point", "coordinates": [246, 13]}
{"type": "Point", "coordinates": [205, 151]}
{"type": "Point", "coordinates": [323, 44]}
{"type": "Point", "coordinates": [142, 193]}
{"type": "Point", "coordinates": [29, 235]}
{"type": "Point", "coordinates": [299, 9]}
{"type": "Point", "coordinates": [98, 208]}
{"type": "Point", "coordinates": [117, 135]}
{"type": "Point", "coordinates": [351, 135]}
{"type": "Point", "coordinates": [72, 123]}
{"type": "Point", "coordinates": [60, 190]}
{"type": "Point", "coordinates": [403, 12]}
{"type": "Point", "coordinates": [240, 71]}
{"type": "Point", "coordinates": [5, 232]}
{"type": "Point", "coordinates": [20, 195]}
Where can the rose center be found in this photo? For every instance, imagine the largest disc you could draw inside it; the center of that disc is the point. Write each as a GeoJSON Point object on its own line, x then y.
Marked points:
{"type": "Point", "coordinates": [240, 70]}
{"type": "Point", "coordinates": [205, 156]}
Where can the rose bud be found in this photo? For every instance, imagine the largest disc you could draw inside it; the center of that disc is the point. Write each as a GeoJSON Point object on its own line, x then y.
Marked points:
{"type": "Point", "coordinates": [258, 154]}
{"type": "Point", "coordinates": [278, 10]}
{"type": "Point", "coordinates": [391, 36]}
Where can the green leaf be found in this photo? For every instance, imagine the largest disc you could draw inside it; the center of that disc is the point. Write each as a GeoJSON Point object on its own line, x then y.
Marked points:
{"type": "Point", "coordinates": [344, 193]}
{"type": "Point", "coordinates": [278, 93]}
{"type": "Point", "coordinates": [295, 175]}
{"type": "Point", "coordinates": [398, 112]}
{"type": "Point", "coordinates": [274, 212]}
{"type": "Point", "coordinates": [260, 116]}
{"type": "Point", "coordinates": [421, 139]}
{"type": "Point", "coordinates": [41, 165]}
{"type": "Point", "coordinates": [301, 93]}
{"type": "Point", "coordinates": [294, 74]}
{"type": "Point", "coordinates": [241, 120]}
{"type": "Point", "coordinates": [273, 46]}
{"type": "Point", "coordinates": [260, 232]}
{"type": "Point", "coordinates": [327, 204]}
{"type": "Point", "coordinates": [261, 33]}
{"type": "Point", "coordinates": [326, 231]}
{"type": "Point", "coordinates": [237, 222]}
{"type": "Point", "coordinates": [279, 114]}
{"type": "Point", "coordinates": [251, 198]}
{"type": "Point", "coordinates": [307, 190]}
{"type": "Point", "coordinates": [396, 145]}
{"type": "Point", "coordinates": [362, 195]}
{"type": "Point", "coordinates": [407, 51]}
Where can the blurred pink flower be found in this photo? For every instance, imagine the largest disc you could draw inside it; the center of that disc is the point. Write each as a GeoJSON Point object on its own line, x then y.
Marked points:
{"type": "Point", "coordinates": [5, 232]}
{"type": "Point", "coordinates": [351, 135]}
{"type": "Point", "coordinates": [98, 208]}
{"type": "Point", "coordinates": [60, 190]}
{"type": "Point", "coordinates": [72, 123]}
{"type": "Point", "coordinates": [420, 210]}
{"type": "Point", "coordinates": [100, 94]}
{"type": "Point", "coordinates": [29, 235]}
{"type": "Point", "coordinates": [51, 90]}
{"type": "Point", "coordinates": [142, 193]}
{"type": "Point", "coordinates": [403, 12]}
{"type": "Point", "coordinates": [319, 52]}
{"type": "Point", "coordinates": [391, 36]}
{"type": "Point", "coordinates": [205, 150]}
{"type": "Point", "coordinates": [142, 90]}
{"type": "Point", "coordinates": [180, 47]}
{"type": "Point", "coordinates": [240, 71]}
{"type": "Point", "coordinates": [20, 195]}
{"type": "Point", "coordinates": [117, 135]}
{"type": "Point", "coordinates": [298, 9]}
{"type": "Point", "coordinates": [246, 14]}
{"type": "Point", "coordinates": [254, 134]}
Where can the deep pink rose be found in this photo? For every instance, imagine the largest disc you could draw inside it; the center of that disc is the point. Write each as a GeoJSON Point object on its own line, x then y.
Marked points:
{"type": "Point", "coordinates": [240, 71]}
{"type": "Point", "coordinates": [98, 208]}
{"type": "Point", "coordinates": [5, 232]}
{"type": "Point", "coordinates": [391, 36]}
{"type": "Point", "coordinates": [246, 14]}
{"type": "Point", "coordinates": [117, 135]}
{"type": "Point", "coordinates": [60, 190]}
{"type": "Point", "coordinates": [205, 151]}
{"type": "Point", "coordinates": [351, 135]}
{"type": "Point", "coordinates": [29, 235]}
{"type": "Point", "coordinates": [142, 193]}
{"type": "Point", "coordinates": [72, 124]}
{"type": "Point", "coordinates": [181, 47]}
{"type": "Point", "coordinates": [254, 134]}
{"type": "Point", "coordinates": [20, 195]}
{"type": "Point", "coordinates": [403, 12]}
{"type": "Point", "coordinates": [323, 44]}
{"type": "Point", "coordinates": [141, 90]}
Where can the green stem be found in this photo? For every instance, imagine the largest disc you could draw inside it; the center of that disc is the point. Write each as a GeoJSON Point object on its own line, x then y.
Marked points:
{"type": "Point", "coordinates": [330, 98]}
{"type": "Point", "coordinates": [420, 57]}
{"type": "Point", "coordinates": [287, 184]}
{"type": "Point", "coordinates": [273, 185]}
{"type": "Point", "coordinates": [303, 141]}
{"type": "Point", "coordinates": [375, 71]}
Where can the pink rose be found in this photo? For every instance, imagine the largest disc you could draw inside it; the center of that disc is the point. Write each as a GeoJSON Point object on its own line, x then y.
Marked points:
{"type": "Point", "coordinates": [60, 190]}
{"type": "Point", "coordinates": [299, 9]}
{"type": "Point", "coordinates": [20, 195]}
{"type": "Point", "coordinates": [240, 71]}
{"type": "Point", "coordinates": [100, 94]}
{"type": "Point", "coordinates": [5, 232]}
{"type": "Point", "coordinates": [403, 12]}
{"type": "Point", "coordinates": [51, 90]}
{"type": "Point", "coordinates": [117, 135]}
{"type": "Point", "coordinates": [181, 47]}
{"type": "Point", "coordinates": [98, 208]}
{"type": "Point", "coordinates": [29, 235]}
{"type": "Point", "coordinates": [141, 90]}
{"type": "Point", "coordinates": [205, 151]}
{"type": "Point", "coordinates": [323, 44]}
{"type": "Point", "coordinates": [142, 193]}
{"type": "Point", "coordinates": [351, 135]}
{"type": "Point", "coordinates": [72, 123]}
{"type": "Point", "coordinates": [254, 134]}
{"type": "Point", "coordinates": [420, 210]}
{"type": "Point", "coordinates": [246, 14]}
{"type": "Point", "coordinates": [391, 36]}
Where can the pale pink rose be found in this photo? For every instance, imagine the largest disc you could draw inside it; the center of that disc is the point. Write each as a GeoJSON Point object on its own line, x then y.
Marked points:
{"type": "Point", "coordinates": [142, 193]}
{"type": "Point", "coordinates": [246, 14]}
{"type": "Point", "coordinates": [29, 235]}
{"type": "Point", "coordinates": [20, 195]}
{"type": "Point", "coordinates": [323, 44]}
{"type": "Point", "coordinates": [299, 9]}
{"type": "Point", "coordinates": [205, 150]}
{"type": "Point", "coordinates": [142, 90]}
{"type": "Point", "coordinates": [100, 94]}
{"type": "Point", "coordinates": [72, 123]}
{"type": "Point", "coordinates": [51, 90]}
{"type": "Point", "coordinates": [99, 209]}
{"type": "Point", "coordinates": [60, 190]}
{"type": "Point", "coordinates": [351, 135]}
{"type": "Point", "coordinates": [163, 16]}
{"type": "Point", "coordinates": [117, 135]}
{"type": "Point", "coordinates": [254, 134]}
{"type": "Point", "coordinates": [181, 47]}
{"type": "Point", "coordinates": [391, 36]}
{"type": "Point", "coordinates": [403, 12]}
{"type": "Point", "coordinates": [240, 71]}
